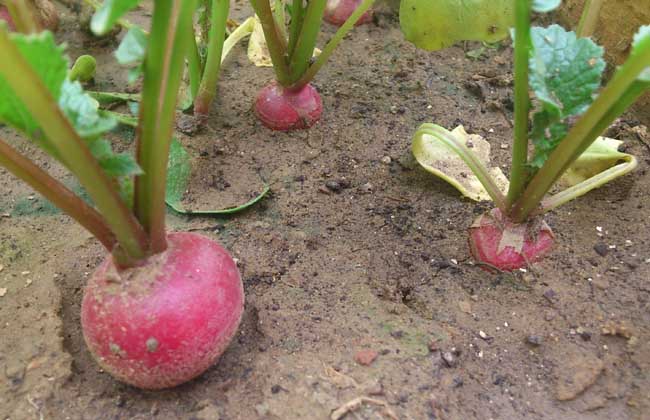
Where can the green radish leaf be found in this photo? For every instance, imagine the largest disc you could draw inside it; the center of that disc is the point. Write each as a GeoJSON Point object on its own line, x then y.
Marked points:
{"type": "Point", "coordinates": [434, 25]}
{"type": "Point", "coordinates": [178, 176]}
{"type": "Point", "coordinates": [48, 61]}
{"type": "Point", "coordinates": [544, 6]}
{"type": "Point", "coordinates": [133, 47]}
{"type": "Point", "coordinates": [115, 164]}
{"type": "Point", "coordinates": [131, 52]}
{"type": "Point", "coordinates": [109, 13]}
{"type": "Point", "coordinates": [83, 111]}
{"type": "Point", "coordinates": [51, 65]}
{"type": "Point", "coordinates": [565, 73]}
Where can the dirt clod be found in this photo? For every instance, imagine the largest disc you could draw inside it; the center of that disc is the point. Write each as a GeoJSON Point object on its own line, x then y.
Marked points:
{"type": "Point", "coordinates": [365, 357]}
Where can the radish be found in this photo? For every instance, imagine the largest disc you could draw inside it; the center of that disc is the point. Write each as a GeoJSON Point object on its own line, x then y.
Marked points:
{"type": "Point", "coordinates": [163, 323]}
{"type": "Point", "coordinates": [162, 307]}
{"type": "Point", "coordinates": [290, 102]}
{"type": "Point", "coordinates": [564, 72]}
{"type": "Point", "coordinates": [6, 16]}
{"type": "Point", "coordinates": [284, 110]}
{"type": "Point", "coordinates": [498, 242]}
{"type": "Point", "coordinates": [338, 11]}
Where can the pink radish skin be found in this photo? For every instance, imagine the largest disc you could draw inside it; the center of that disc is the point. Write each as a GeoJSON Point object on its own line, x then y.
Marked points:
{"type": "Point", "coordinates": [338, 11]}
{"type": "Point", "coordinates": [486, 235]}
{"type": "Point", "coordinates": [167, 321]}
{"type": "Point", "coordinates": [4, 15]}
{"type": "Point", "coordinates": [281, 109]}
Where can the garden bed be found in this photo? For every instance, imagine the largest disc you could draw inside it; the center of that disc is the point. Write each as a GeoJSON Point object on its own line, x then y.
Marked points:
{"type": "Point", "coordinates": [357, 251]}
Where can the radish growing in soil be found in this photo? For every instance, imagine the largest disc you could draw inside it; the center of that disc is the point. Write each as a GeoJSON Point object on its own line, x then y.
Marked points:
{"type": "Point", "coordinates": [205, 54]}
{"type": "Point", "coordinates": [162, 307]}
{"type": "Point", "coordinates": [564, 72]}
{"type": "Point", "coordinates": [29, 16]}
{"type": "Point", "coordinates": [291, 102]}
{"type": "Point", "coordinates": [338, 11]}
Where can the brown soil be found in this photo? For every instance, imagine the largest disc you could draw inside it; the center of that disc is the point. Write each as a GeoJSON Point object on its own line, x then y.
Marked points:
{"type": "Point", "coordinates": [365, 292]}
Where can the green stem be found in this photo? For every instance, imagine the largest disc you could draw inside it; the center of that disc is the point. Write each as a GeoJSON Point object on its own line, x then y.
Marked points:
{"type": "Point", "coordinates": [208, 87]}
{"type": "Point", "coordinates": [280, 18]}
{"type": "Point", "coordinates": [57, 193]}
{"type": "Point", "coordinates": [122, 22]}
{"type": "Point", "coordinates": [331, 46]}
{"type": "Point", "coordinates": [518, 172]}
{"type": "Point", "coordinates": [107, 98]}
{"type": "Point", "coordinates": [171, 29]}
{"type": "Point", "coordinates": [195, 66]}
{"type": "Point", "coordinates": [297, 19]}
{"type": "Point", "coordinates": [474, 164]}
{"type": "Point", "coordinates": [275, 43]}
{"type": "Point", "coordinates": [121, 118]}
{"type": "Point", "coordinates": [589, 18]}
{"type": "Point", "coordinates": [24, 16]}
{"type": "Point", "coordinates": [601, 113]}
{"type": "Point", "coordinates": [304, 46]}
{"type": "Point", "coordinates": [29, 88]}
{"type": "Point", "coordinates": [587, 185]}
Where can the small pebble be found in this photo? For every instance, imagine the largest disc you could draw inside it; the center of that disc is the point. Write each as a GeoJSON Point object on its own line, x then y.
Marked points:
{"type": "Point", "coordinates": [601, 249]}
{"type": "Point", "coordinates": [449, 359]}
{"type": "Point", "coordinates": [365, 357]}
{"type": "Point", "coordinates": [333, 186]}
{"type": "Point", "coordinates": [387, 160]}
{"type": "Point", "coordinates": [534, 340]}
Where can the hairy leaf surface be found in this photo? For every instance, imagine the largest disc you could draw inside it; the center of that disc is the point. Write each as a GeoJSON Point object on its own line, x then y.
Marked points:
{"type": "Point", "coordinates": [565, 73]}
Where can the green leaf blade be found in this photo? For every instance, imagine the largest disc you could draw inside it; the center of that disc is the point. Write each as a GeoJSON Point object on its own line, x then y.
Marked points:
{"type": "Point", "coordinates": [434, 25]}
{"type": "Point", "coordinates": [49, 63]}
{"type": "Point", "coordinates": [133, 47]}
{"type": "Point", "coordinates": [565, 74]}
{"type": "Point", "coordinates": [545, 6]}
{"type": "Point", "coordinates": [109, 13]}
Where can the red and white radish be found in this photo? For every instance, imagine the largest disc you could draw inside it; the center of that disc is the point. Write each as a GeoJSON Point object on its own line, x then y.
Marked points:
{"type": "Point", "coordinates": [338, 11]}
{"type": "Point", "coordinates": [283, 109]}
{"type": "Point", "coordinates": [168, 320]}
{"type": "Point", "coordinates": [502, 244]}
{"type": "Point", "coordinates": [6, 16]}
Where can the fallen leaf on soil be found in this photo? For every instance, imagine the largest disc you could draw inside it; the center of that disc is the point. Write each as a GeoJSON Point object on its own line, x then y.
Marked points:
{"type": "Point", "coordinates": [578, 374]}
{"type": "Point", "coordinates": [365, 357]}
{"type": "Point", "coordinates": [339, 379]}
{"type": "Point", "coordinates": [437, 157]}
{"type": "Point", "coordinates": [621, 329]}
{"type": "Point", "coordinates": [356, 403]}
{"type": "Point", "coordinates": [601, 156]}
{"type": "Point", "coordinates": [465, 306]}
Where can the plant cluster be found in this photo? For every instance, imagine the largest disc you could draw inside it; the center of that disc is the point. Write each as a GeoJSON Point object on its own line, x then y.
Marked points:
{"type": "Point", "coordinates": [145, 304]}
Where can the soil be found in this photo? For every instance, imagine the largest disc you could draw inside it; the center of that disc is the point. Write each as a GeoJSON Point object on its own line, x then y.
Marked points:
{"type": "Point", "coordinates": [361, 296]}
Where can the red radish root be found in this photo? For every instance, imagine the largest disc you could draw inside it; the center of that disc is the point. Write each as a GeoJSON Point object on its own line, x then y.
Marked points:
{"type": "Point", "coordinates": [4, 15]}
{"type": "Point", "coordinates": [167, 321]}
{"type": "Point", "coordinates": [282, 109]}
{"type": "Point", "coordinates": [338, 11]}
{"type": "Point", "coordinates": [502, 244]}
